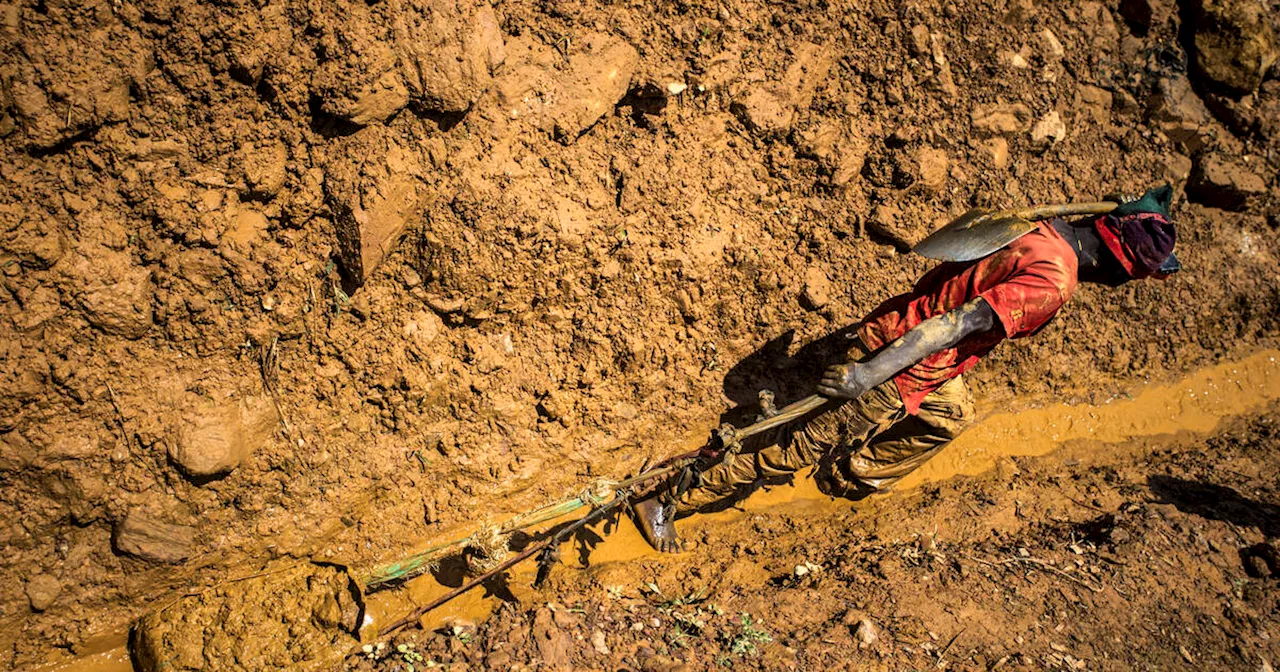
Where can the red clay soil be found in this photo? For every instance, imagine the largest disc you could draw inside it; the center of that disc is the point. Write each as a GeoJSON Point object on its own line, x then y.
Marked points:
{"type": "Point", "coordinates": [300, 274]}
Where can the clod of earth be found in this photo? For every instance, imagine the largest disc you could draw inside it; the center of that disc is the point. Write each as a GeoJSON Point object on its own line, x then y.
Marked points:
{"type": "Point", "coordinates": [42, 590]}
{"type": "Point", "coordinates": [307, 617]}
{"type": "Point", "coordinates": [1224, 184]}
{"type": "Point", "coordinates": [212, 439]}
{"type": "Point", "coordinates": [374, 188]}
{"type": "Point", "coordinates": [143, 537]}
{"type": "Point", "coordinates": [1234, 44]}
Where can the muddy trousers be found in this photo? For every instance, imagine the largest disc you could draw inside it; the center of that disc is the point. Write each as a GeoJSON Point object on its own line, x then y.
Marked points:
{"type": "Point", "coordinates": [859, 446]}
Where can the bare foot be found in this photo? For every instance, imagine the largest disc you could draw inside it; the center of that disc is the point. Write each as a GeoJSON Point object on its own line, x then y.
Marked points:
{"type": "Point", "coordinates": [657, 522]}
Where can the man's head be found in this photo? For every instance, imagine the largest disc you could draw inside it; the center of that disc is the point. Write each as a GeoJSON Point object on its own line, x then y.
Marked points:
{"type": "Point", "coordinates": [1137, 241]}
{"type": "Point", "coordinates": [1141, 237]}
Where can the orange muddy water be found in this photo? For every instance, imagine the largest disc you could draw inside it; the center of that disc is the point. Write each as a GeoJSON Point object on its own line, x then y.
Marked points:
{"type": "Point", "coordinates": [1197, 403]}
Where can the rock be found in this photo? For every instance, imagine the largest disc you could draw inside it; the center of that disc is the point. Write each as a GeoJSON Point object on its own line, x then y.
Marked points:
{"type": "Point", "coordinates": [919, 40]}
{"type": "Point", "coordinates": [422, 328]}
{"type": "Point", "coordinates": [1016, 60]}
{"type": "Point", "coordinates": [554, 644]}
{"type": "Point", "coordinates": [1218, 183]}
{"type": "Point", "coordinates": [1095, 102]}
{"type": "Point", "coordinates": [448, 50]}
{"type": "Point", "coordinates": [998, 150]}
{"type": "Point", "coordinates": [1178, 112]}
{"type": "Point", "coordinates": [1233, 45]}
{"type": "Point", "coordinates": [886, 222]}
{"type": "Point", "coordinates": [565, 101]}
{"type": "Point", "coordinates": [140, 536]}
{"type": "Point", "coordinates": [265, 168]}
{"type": "Point", "coordinates": [1177, 168]}
{"type": "Point", "coordinates": [115, 294]}
{"type": "Point", "coordinates": [598, 643]}
{"type": "Point", "coordinates": [933, 168]}
{"type": "Point", "coordinates": [817, 289]}
{"type": "Point", "coordinates": [945, 79]}
{"type": "Point", "coordinates": [770, 109]}
{"type": "Point", "coordinates": [598, 76]}
{"type": "Point", "coordinates": [373, 188]}
{"type": "Point", "coordinates": [1000, 119]}
{"type": "Point", "coordinates": [1254, 565]}
{"type": "Point", "coordinates": [42, 590]}
{"type": "Point", "coordinates": [865, 632]}
{"type": "Point", "coordinates": [1142, 15]}
{"type": "Point", "coordinates": [213, 439]}
{"type": "Point", "coordinates": [1050, 46]}
{"type": "Point", "coordinates": [1049, 130]}
{"type": "Point", "coordinates": [461, 627]}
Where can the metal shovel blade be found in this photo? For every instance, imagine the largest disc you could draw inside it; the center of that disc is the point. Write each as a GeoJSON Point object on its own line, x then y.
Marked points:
{"type": "Point", "coordinates": [977, 233]}
{"type": "Point", "coordinates": [974, 235]}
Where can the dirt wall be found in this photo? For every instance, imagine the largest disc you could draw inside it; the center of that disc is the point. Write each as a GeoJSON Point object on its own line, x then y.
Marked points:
{"type": "Point", "coordinates": [300, 273]}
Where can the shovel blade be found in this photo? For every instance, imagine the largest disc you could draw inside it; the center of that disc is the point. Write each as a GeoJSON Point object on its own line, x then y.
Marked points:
{"type": "Point", "coordinates": [974, 235]}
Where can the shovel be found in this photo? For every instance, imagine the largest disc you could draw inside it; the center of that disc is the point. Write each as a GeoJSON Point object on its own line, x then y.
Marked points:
{"type": "Point", "coordinates": [977, 233]}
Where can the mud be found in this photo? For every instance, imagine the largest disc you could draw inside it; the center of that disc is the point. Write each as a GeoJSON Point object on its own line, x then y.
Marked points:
{"type": "Point", "coordinates": [300, 618]}
{"type": "Point", "coordinates": [319, 277]}
{"type": "Point", "coordinates": [1194, 406]}
{"type": "Point", "coordinates": [1070, 561]}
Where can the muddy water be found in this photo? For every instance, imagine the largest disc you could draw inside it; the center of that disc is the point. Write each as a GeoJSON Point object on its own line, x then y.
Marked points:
{"type": "Point", "coordinates": [1195, 404]}
{"type": "Point", "coordinates": [102, 654]}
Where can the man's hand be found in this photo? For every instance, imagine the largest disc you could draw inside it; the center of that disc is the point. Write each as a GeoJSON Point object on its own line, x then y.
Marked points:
{"type": "Point", "coordinates": [842, 381]}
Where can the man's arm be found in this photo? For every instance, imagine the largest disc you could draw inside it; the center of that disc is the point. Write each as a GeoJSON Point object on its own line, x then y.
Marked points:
{"type": "Point", "coordinates": [850, 380]}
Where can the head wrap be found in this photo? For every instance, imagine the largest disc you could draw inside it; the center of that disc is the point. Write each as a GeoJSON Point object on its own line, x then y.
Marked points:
{"type": "Point", "coordinates": [1140, 234]}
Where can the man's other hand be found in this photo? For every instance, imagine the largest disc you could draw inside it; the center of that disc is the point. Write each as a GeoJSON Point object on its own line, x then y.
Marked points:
{"type": "Point", "coordinates": [842, 381]}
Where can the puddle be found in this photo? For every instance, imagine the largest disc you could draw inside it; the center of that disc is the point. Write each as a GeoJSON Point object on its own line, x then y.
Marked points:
{"type": "Point", "coordinates": [101, 654]}
{"type": "Point", "coordinates": [1194, 404]}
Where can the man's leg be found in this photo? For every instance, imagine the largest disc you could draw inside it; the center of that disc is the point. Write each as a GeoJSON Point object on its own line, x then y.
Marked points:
{"type": "Point", "coordinates": [781, 452]}
{"type": "Point", "coordinates": [913, 440]}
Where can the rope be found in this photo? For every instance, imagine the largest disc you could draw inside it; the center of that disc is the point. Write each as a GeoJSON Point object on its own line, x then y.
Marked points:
{"type": "Point", "coordinates": [593, 495]}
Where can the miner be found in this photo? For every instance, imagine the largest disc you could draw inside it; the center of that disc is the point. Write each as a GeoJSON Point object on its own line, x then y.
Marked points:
{"type": "Point", "coordinates": [900, 397]}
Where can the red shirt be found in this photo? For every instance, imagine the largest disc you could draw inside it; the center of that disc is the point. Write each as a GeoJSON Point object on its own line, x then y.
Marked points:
{"type": "Point", "coordinates": [1025, 283]}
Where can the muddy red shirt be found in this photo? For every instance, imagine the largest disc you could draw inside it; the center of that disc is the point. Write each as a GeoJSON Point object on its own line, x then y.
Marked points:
{"type": "Point", "coordinates": [1025, 283]}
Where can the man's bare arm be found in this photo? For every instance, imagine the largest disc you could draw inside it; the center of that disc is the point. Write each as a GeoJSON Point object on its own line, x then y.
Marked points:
{"type": "Point", "coordinates": [850, 380]}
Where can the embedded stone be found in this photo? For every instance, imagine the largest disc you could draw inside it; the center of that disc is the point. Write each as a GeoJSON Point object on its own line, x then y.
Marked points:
{"type": "Point", "coordinates": [374, 189]}
{"type": "Point", "coordinates": [213, 439]}
{"type": "Point", "coordinates": [1233, 44]}
{"type": "Point", "coordinates": [1223, 184]}
{"type": "Point", "coordinates": [143, 537]}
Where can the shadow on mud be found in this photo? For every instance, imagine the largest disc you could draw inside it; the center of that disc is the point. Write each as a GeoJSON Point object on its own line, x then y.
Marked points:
{"type": "Point", "coordinates": [790, 377]}
{"type": "Point", "coordinates": [1216, 502]}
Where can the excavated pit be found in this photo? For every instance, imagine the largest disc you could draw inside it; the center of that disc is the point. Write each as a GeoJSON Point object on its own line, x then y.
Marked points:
{"type": "Point", "coordinates": [322, 278]}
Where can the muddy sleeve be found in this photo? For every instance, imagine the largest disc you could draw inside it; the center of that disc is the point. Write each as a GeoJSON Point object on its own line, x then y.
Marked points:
{"type": "Point", "coordinates": [1026, 301]}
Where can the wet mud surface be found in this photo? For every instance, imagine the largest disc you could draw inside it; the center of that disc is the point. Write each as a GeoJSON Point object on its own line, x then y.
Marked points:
{"type": "Point", "coordinates": [1156, 553]}
{"type": "Point", "coordinates": [334, 278]}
